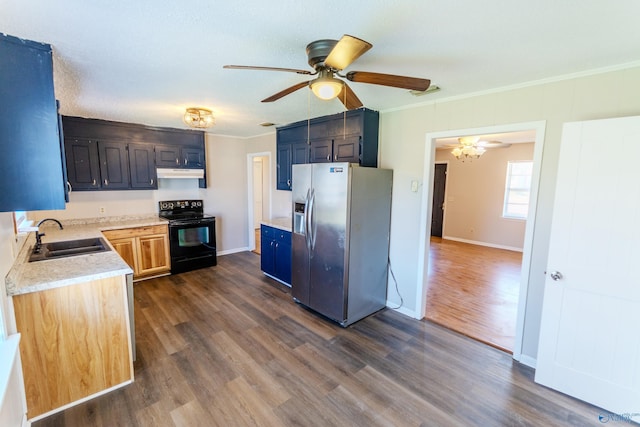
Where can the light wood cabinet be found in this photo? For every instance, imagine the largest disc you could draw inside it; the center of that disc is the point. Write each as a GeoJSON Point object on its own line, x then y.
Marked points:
{"type": "Point", "coordinates": [145, 249]}
{"type": "Point", "coordinates": [75, 342]}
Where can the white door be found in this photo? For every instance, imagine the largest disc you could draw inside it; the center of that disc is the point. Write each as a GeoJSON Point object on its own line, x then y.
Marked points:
{"type": "Point", "coordinates": [589, 338]}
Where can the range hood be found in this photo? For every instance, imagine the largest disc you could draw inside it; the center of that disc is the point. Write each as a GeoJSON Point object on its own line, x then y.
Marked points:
{"type": "Point", "coordinates": [180, 173]}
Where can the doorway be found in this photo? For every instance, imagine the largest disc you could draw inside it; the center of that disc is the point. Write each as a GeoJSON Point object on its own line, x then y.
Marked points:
{"type": "Point", "coordinates": [259, 194]}
{"type": "Point", "coordinates": [537, 129]}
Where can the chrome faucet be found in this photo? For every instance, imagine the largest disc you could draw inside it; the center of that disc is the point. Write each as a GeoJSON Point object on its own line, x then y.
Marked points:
{"type": "Point", "coordinates": [38, 245]}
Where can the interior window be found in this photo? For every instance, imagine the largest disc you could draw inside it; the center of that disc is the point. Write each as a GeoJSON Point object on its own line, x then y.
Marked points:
{"type": "Point", "coordinates": [517, 189]}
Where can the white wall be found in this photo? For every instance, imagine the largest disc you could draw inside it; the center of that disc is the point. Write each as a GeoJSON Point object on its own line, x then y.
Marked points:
{"type": "Point", "coordinates": [13, 406]}
{"type": "Point", "coordinates": [402, 143]}
{"type": "Point", "coordinates": [475, 198]}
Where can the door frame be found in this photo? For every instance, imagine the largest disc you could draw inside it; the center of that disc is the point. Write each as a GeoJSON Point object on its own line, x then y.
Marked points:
{"type": "Point", "coordinates": [250, 230]}
{"type": "Point", "coordinates": [427, 202]}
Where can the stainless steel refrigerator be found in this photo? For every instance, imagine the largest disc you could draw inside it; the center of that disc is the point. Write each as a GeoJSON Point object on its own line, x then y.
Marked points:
{"type": "Point", "coordinates": [340, 239]}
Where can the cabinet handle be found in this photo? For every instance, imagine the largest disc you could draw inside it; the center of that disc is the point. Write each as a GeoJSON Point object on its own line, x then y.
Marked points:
{"type": "Point", "coordinates": [106, 182]}
{"type": "Point", "coordinates": [289, 182]}
{"type": "Point", "coordinates": [185, 160]}
{"type": "Point", "coordinates": [151, 183]}
{"type": "Point", "coordinates": [335, 157]}
{"type": "Point", "coordinates": [328, 157]}
{"type": "Point", "coordinates": [177, 161]}
{"type": "Point", "coordinates": [94, 182]}
{"type": "Point", "coordinates": [69, 188]}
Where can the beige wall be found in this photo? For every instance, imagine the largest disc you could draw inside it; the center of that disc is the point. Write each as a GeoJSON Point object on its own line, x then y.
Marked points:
{"type": "Point", "coordinates": [402, 135]}
{"type": "Point", "coordinates": [475, 197]}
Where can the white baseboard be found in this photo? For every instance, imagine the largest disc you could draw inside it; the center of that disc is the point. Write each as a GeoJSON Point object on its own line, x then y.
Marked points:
{"type": "Point", "coordinates": [402, 310]}
{"type": "Point", "coordinates": [489, 245]}
{"type": "Point", "coordinates": [526, 360]}
{"type": "Point", "coordinates": [233, 251]}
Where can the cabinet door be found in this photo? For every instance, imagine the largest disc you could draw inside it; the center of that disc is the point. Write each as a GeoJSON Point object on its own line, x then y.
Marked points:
{"type": "Point", "coordinates": [127, 249]}
{"type": "Point", "coordinates": [192, 157]}
{"type": "Point", "coordinates": [267, 250]}
{"type": "Point", "coordinates": [30, 153]}
{"type": "Point", "coordinates": [153, 254]}
{"type": "Point", "coordinates": [142, 166]}
{"type": "Point", "coordinates": [114, 165]}
{"type": "Point", "coordinates": [282, 256]}
{"type": "Point", "coordinates": [83, 165]}
{"type": "Point", "coordinates": [167, 156]}
{"type": "Point", "coordinates": [321, 150]}
{"type": "Point", "coordinates": [283, 166]}
{"type": "Point", "coordinates": [299, 154]}
{"type": "Point", "coordinates": [347, 149]}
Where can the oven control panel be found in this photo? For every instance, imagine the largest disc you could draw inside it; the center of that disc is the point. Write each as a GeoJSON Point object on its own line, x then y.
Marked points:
{"type": "Point", "coordinates": [180, 204]}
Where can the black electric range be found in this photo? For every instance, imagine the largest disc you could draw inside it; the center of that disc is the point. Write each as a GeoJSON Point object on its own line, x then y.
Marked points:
{"type": "Point", "coordinates": [192, 234]}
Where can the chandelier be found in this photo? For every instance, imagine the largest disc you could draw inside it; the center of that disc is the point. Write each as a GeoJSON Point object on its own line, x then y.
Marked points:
{"type": "Point", "coordinates": [199, 118]}
{"type": "Point", "coordinates": [468, 148]}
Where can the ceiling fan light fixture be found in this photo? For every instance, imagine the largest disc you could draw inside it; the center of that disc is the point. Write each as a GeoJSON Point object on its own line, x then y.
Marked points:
{"type": "Point", "coordinates": [468, 148]}
{"type": "Point", "coordinates": [326, 87]}
{"type": "Point", "coordinates": [199, 118]}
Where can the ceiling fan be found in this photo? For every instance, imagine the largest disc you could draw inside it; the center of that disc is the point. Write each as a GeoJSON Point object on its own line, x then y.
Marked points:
{"type": "Point", "coordinates": [328, 58]}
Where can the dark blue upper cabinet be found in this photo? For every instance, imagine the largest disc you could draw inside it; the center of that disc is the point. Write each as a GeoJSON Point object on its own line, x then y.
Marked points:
{"type": "Point", "coordinates": [31, 171]}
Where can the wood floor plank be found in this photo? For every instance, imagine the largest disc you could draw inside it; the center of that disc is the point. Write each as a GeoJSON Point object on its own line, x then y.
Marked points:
{"type": "Point", "coordinates": [474, 290]}
{"type": "Point", "coordinates": [238, 352]}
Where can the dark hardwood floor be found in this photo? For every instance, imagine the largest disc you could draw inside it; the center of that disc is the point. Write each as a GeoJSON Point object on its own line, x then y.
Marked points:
{"type": "Point", "coordinates": [474, 290]}
{"type": "Point", "coordinates": [226, 346]}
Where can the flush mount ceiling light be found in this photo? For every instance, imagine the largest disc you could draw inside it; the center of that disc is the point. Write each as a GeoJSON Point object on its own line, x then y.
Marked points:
{"type": "Point", "coordinates": [199, 118]}
{"type": "Point", "coordinates": [468, 148]}
{"type": "Point", "coordinates": [326, 86]}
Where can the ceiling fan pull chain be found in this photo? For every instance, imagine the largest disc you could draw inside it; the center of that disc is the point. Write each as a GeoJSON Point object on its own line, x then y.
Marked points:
{"type": "Point", "coordinates": [309, 118]}
{"type": "Point", "coordinates": [344, 115]}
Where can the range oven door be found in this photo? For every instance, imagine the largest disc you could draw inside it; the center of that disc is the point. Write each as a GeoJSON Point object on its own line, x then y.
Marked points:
{"type": "Point", "coordinates": [193, 244]}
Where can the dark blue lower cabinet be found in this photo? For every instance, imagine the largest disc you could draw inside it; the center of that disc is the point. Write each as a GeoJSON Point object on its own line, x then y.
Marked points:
{"type": "Point", "coordinates": [275, 250]}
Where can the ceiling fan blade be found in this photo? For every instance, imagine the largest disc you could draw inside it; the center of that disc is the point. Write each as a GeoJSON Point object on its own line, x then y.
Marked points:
{"type": "Point", "coordinates": [347, 50]}
{"type": "Point", "coordinates": [412, 83]}
{"type": "Point", "coordinates": [286, 92]}
{"type": "Point", "coordinates": [349, 98]}
{"type": "Point", "coordinates": [251, 67]}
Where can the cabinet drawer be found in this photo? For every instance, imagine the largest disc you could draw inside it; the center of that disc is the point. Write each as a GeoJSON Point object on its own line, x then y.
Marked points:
{"type": "Point", "coordinates": [135, 232]}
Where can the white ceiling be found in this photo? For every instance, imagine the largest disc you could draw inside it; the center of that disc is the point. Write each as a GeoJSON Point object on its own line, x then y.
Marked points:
{"type": "Point", "coordinates": [145, 61]}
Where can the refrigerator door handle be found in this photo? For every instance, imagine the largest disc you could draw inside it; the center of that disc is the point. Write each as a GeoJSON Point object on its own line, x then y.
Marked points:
{"type": "Point", "coordinates": [312, 222]}
{"type": "Point", "coordinates": [307, 228]}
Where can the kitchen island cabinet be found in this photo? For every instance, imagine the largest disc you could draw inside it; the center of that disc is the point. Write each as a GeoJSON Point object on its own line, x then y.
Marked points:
{"type": "Point", "coordinates": [275, 253]}
{"type": "Point", "coordinates": [75, 342]}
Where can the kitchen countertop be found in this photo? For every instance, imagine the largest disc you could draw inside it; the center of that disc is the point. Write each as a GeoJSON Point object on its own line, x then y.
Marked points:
{"type": "Point", "coordinates": [25, 277]}
{"type": "Point", "coordinates": [283, 223]}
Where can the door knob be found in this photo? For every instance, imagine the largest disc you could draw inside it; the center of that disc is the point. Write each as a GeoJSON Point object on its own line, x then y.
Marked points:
{"type": "Point", "coordinates": [556, 275]}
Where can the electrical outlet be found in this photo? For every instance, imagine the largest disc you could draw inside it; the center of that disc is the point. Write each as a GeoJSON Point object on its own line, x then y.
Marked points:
{"type": "Point", "coordinates": [101, 210]}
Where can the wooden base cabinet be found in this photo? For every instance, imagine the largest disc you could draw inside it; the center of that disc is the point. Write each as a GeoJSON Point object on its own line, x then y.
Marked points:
{"type": "Point", "coordinates": [75, 343]}
{"type": "Point", "coordinates": [144, 249]}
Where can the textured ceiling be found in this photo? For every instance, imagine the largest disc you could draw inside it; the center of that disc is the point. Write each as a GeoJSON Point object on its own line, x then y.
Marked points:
{"type": "Point", "coordinates": [145, 61]}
